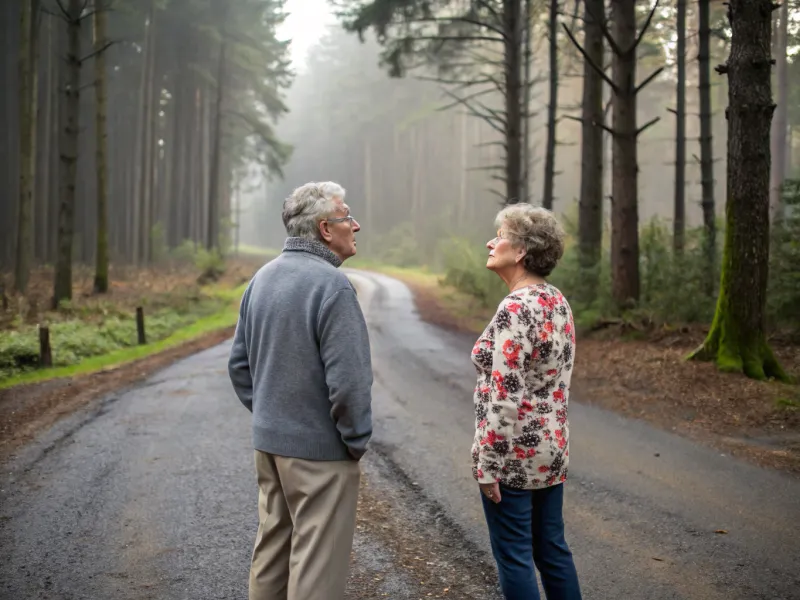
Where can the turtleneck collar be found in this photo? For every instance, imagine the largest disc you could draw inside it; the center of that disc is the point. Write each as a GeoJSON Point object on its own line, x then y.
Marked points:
{"type": "Point", "coordinates": [298, 244]}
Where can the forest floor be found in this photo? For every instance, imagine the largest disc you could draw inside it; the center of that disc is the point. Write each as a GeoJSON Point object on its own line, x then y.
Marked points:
{"type": "Point", "coordinates": [647, 377]}
{"type": "Point", "coordinates": [191, 317]}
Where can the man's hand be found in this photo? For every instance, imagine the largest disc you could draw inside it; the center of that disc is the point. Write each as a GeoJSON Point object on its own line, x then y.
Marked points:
{"type": "Point", "coordinates": [491, 491]}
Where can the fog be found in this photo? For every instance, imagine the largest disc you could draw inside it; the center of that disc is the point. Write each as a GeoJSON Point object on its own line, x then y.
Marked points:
{"type": "Point", "coordinates": [409, 166]}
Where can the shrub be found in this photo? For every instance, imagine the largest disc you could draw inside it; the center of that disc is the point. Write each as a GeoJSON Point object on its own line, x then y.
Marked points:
{"type": "Point", "coordinates": [783, 297]}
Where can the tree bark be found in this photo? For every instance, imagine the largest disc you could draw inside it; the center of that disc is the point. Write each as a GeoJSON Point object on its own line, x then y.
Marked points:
{"type": "Point", "coordinates": [706, 147]}
{"type": "Point", "coordinates": [101, 158]}
{"type": "Point", "coordinates": [590, 206]}
{"type": "Point", "coordinates": [526, 103]}
{"type": "Point", "coordinates": [552, 108]}
{"type": "Point", "coordinates": [780, 122]}
{"type": "Point", "coordinates": [679, 212]}
{"type": "Point", "coordinates": [62, 288]}
{"type": "Point", "coordinates": [212, 224]}
{"type": "Point", "coordinates": [624, 209]}
{"type": "Point", "coordinates": [28, 112]}
{"type": "Point", "coordinates": [512, 26]}
{"type": "Point", "coordinates": [737, 339]}
{"type": "Point", "coordinates": [42, 226]}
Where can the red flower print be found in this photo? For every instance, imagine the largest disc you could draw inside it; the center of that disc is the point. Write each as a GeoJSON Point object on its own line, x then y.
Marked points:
{"type": "Point", "coordinates": [543, 469]}
{"type": "Point", "coordinates": [558, 395]}
{"type": "Point", "coordinates": [511, 351]}
{"type": "Point", "coordinates": [519, 452]}
{"type": "Point", "coordinates": [552, 372]}
{"type": "Point", "coordinates": [513, 307]}
{"type": "Point", "coordinates": [531, 452]}
{"type": "Point", "coordinates": [491, 438]}
{"type": "Point", "coordinates": [502, 392]}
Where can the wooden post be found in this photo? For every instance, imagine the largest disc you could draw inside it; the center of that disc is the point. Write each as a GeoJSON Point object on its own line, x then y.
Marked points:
{"type": "Point", "coordinates": [140, 325]}
{"type": "Point", "coordinates": [45, 354]}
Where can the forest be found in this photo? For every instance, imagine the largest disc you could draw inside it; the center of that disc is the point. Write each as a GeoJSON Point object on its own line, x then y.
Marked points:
{"type": "Point", "coordinates": [148, 145]}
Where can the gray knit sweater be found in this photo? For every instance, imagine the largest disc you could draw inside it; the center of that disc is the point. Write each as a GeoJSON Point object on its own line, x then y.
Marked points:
{"type": "Point", "coordinates": [300, 360]}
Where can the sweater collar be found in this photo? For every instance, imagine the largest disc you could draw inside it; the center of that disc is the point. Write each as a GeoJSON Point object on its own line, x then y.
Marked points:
{"type": "Point", "coordinates": [298, 244]}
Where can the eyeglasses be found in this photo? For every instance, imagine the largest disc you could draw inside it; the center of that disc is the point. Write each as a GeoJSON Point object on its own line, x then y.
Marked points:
{"type": "Point", "coordinates": [349, 218]}
{"type": "Point", "coordinates": [500, 236]}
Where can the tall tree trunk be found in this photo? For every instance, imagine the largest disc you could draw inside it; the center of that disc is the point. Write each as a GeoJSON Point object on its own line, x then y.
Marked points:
{"type": "Point", "coordinates": [212, 231]}
{"type": "Point", "coordinates": [101, 165]}
{"type": "Point", "coordinates": [679, 218]}
{"type": "Point", "coordinates": [737, 339]}
{"type": "Point", "coordinates": [706, 146]}
{"type": "Point", "coordinates": [590, 206]}
{"type": "Point", "coordinates": [780, 122]}
{"type": "Point", "coordinates": [512, 28]}
{"type": "Point", "coordinates": [139, 152]}
{"type": "Point", "coordinates": [28, 112]}
{"type": "Point", "coordinates": [41, 227]}
{"type": "Point", "coordinates": [552, 107]}
{"type": "Point", "coordinates": [62, 288]}
{"type": "Point", "coordinates": [150, 145]}
{"type": "Point", "coordinates": [624, 192]}
{"type": "Point", "coordinates": [526, 104]}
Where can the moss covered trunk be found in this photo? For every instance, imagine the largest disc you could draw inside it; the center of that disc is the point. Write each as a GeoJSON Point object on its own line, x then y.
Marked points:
{"type": "Point", "coordinates": [737, 340]}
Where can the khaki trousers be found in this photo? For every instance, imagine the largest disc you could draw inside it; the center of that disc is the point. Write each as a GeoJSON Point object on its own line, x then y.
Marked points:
{"type": "Point", "coordinates": [307, 516]}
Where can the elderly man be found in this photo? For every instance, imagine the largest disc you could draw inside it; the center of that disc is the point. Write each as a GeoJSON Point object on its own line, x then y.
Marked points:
{"type": "Point", "coordinates": [300, 363]}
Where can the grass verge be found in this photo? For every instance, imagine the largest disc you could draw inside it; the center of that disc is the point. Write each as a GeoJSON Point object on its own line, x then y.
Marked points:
{"type": "Point", "coordinates": [222, 319]}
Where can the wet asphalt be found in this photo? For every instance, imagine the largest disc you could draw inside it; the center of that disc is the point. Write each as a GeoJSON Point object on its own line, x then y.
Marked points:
{"type": "Point", "coordinates": [150, 493]}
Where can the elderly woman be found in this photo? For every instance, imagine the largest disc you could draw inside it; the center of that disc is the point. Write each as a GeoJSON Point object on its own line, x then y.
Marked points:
{"type": "Point", "coordinates": [521, 450]}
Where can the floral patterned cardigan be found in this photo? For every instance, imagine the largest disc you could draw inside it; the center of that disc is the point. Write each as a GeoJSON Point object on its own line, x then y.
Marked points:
{"type": "Point", "coordinates": [524, 362]}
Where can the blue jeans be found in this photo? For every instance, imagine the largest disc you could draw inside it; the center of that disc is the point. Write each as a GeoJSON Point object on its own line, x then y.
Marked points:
{"type": "Point", "coordinates": [527, 528]}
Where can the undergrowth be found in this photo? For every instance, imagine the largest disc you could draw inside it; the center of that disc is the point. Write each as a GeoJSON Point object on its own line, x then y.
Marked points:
{"type": "Point", "coordinates": [80, 335]}
{"type": "Point", "coordinates": [675, 289]}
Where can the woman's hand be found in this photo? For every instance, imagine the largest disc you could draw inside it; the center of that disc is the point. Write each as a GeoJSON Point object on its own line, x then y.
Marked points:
{"type": "Point", "coordinates": [491, 491]}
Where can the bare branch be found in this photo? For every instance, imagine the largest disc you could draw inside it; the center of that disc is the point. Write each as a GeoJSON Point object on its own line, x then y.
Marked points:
{"type": "Point", "coordinates": [52, 14]}
{"type": "Point", "coordinates": [652, 76]}
{"type": "Point", "coordinates": [488, 6]}
{"type": "Point", "coordinates": [489, 168]}
{"type": "Point", "coordinates": [459, 82]}
{"type": "Point", "coordinates": [647, 125]}
{"type": "Point", "coordinates": [596, 67]}
{"type": "Point", "coordinates": [98, 51]}
{"type": "Point", "coordinates": [487, 118]}
{"type": "Point", "coordinates": [498, 194]}
{"type": "Point", "coordinates": [467, 20]}
{"type": "Point", "coordinates": [645, 27]}
{"type": "Point", "coordinates": [470, 97]}
{"type": "Point", "coordinates": [456, 38]}
{"type": "Point", "coordinates": [66, 14]}
{"type": "Point", "coordinates": [502, 144]}
{"type": "Point", "coordinates": [594, 123]}
{"type": "Point", "coordinates": [601, 22]}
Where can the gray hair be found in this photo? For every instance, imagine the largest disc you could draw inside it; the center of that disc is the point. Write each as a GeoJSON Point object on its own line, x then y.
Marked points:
{"type": "Point", "coordinates": [538, 231]}
{"type": "Point", "coordinates": [307, 206]}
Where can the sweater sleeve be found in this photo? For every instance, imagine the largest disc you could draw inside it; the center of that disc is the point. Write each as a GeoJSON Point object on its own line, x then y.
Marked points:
{"type": "Point", "coordinates": [239, 362]}
{"type": "Point", "coordinates": [510, 362]}
{"type": "Point", "coordinates": [345, 353]}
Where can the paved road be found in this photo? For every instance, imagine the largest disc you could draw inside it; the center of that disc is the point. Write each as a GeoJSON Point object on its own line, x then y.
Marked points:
{"type": "Point", "coordinates": [150, 494]}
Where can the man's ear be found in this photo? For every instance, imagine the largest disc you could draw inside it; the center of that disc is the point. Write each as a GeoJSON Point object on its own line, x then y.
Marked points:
{"type": "Point", "coordinates": [325, 231]}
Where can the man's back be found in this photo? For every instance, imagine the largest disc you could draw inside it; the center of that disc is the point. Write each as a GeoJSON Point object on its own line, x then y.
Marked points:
{"type": "Point", "coordinates": [303, 343]}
